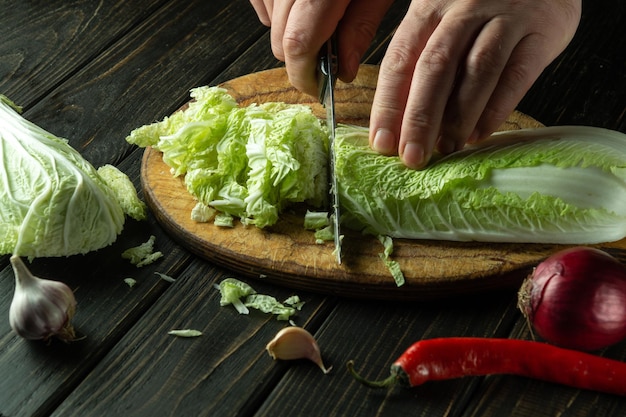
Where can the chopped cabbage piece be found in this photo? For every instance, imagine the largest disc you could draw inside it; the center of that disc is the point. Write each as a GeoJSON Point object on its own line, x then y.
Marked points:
{"type": "Point", "coordinates": [143, 254]}
{"type": "Point", "coordinates": [242, 296]}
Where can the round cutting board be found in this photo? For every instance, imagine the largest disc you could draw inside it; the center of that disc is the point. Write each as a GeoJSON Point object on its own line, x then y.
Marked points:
{"type": "Point", "coordinates": [287, 254]}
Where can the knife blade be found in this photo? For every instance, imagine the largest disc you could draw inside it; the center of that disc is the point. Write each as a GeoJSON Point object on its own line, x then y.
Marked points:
{"type": "Point", "coordinates": [327, 76]}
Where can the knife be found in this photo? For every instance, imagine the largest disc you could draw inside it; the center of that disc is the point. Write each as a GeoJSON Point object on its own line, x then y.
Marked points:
{"type": "Point", "coordinates": [327, 75]}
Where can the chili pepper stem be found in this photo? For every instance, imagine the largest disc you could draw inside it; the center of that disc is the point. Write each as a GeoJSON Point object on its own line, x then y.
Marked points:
{"type": "Point", "coordinates": [385, 383]}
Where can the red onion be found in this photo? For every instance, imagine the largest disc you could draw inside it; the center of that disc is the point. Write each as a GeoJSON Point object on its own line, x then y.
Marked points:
{"type": "Point", "coordinates": [577, 299]}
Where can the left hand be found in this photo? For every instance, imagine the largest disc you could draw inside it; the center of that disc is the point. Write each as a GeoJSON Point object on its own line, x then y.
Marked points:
{"type": "Point", "coordinates": [455, 70]}
{"type": "Point", "coordinates": [300, 28]}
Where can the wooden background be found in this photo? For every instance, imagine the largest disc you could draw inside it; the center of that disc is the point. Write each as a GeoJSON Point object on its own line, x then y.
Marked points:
{"type": "Point", "coordinates": [93, 71]}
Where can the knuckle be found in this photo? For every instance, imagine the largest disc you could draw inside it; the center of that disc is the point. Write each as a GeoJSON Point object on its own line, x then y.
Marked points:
{"type": "Point", "coordinates": [294, 44]}
{"type": "Point", "coordinates": [517, 76]}
{"type": "Point", "coordinates": [399, 60]}
{"type": "Point", "coordinates": [483, 63]}
{"type": "Point", "coordinates": [420, 121]}
{"type": "Point", "coordinates": [436, 59]}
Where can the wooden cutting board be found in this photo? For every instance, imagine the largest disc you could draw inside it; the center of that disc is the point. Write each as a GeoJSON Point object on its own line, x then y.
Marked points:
{"type": "Point", "coordinates": [287, 254]}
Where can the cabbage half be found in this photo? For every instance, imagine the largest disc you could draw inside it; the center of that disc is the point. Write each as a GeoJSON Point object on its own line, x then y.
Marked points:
{"type": "Point", "coordinates": [563, 184]}
{"type": "Point", "coordinates": [52, 201]}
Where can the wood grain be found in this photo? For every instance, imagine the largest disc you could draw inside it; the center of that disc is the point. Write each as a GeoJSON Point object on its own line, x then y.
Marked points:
{"type": "Point", "coordinates": [129, 63]}
{"type": "Point", "coordinates": [287, 254]}
{"type": "Point", "coordinates": [156, 66]}
{"type": "Point", "coordinates": [90, 72]}
{"type": "Point", "coordinates": [54, 42]}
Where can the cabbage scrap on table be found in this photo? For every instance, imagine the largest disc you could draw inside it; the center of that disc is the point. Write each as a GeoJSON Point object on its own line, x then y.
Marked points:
{"type": "Point", "coordinates": [563, 185]}
{"type": "Point", "coordinates": [52, 201]}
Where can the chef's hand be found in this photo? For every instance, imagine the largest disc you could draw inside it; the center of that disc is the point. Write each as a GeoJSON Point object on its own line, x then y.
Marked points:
{"type": "Point", "coordinates": [453, 72]}
{"type": "Point", "coordinates": [299, 29]}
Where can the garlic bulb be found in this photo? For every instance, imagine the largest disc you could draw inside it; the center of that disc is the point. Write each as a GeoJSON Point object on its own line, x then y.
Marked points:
{"type": "Point", "coordinates": [296, 343]}
{"type": "Point", "coordinates": [40, 308]}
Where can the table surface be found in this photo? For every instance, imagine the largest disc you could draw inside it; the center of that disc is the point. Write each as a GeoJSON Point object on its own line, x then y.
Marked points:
{"type": "Point", "coordinates": [93, 71]}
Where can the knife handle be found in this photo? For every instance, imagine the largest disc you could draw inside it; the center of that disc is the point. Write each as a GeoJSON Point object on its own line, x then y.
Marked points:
{"type": "Point", "coordinates": [328, 67]}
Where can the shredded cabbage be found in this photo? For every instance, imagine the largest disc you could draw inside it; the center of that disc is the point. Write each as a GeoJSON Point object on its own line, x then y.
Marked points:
{"type": "Point", "coordinates": [232, 291]}
{"type": "Point", "coordinates": [314, 220]}
{"type": "Point", "coordinates": [242, 296]}
{"type": "Point", "coordinates": [247, 162]}
{"type": "Point", "coordinates": [52, 201]}
{"type": "Point", "coordinates": [143, 254]}
{"type": "Point", "coordinates": [392, 265]}
{"type": "Point", "coordinates": [268, 304]}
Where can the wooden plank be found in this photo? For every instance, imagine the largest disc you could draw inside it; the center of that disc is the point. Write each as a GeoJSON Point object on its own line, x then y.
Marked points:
{"type": "Point", "coordinates": [390, 22]}
{"type": "Point", "coordinates": [44, 44]}
{"type": "Point", "coordinates": [34, 363]}
{"type": "Point", "coordinates": [587, 83]}
{"type": "Point", "coordinates": [36, 375]}
{"type": "Point", "coordinates": [226, 371]}
{"type": "Point", "coordinates": [146, 75]}
{"type": "Point", "coordinates": [391, 329]}
{"type": "Point", "coordinates": [503, 395]}
{"type": "Point", "coordinates": [257, 58]}
{"type": "Point", "coordinates": [95, 108]}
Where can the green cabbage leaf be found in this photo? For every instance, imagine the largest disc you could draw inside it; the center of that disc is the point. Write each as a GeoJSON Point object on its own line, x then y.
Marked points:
{"type": "Point", "coordinates": [562, 184]}
{"type": "Point", "coordinates": [52, 201]}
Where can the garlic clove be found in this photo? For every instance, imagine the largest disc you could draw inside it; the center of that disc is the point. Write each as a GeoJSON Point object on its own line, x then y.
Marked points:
{"type": "Point", "coordinates": [40, 308]}
{"type": "Point", "coordinates": [296, 343]}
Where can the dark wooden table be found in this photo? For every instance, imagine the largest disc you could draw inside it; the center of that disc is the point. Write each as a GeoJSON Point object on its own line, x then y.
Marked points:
{"type": "Point", "coordinates": [91, 72]}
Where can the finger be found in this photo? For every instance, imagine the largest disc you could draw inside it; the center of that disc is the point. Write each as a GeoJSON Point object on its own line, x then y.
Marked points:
{"type": "Point", "coordinates": [263, 12]}
{"type": "Point", "coordinates": [433, 82]}
{"type": "Point", "coordinates": [356, 30]}
{"type": "Point", "coordinates": [476, 81]}
{"type": "Point", "coordinates": [310, 24]}
{"type": "Point", "coordinates": [526, 63]}
{"type": "Point", "coordinates": [279, 16]}
{"type": "Point", "coordinates": [394, 79]}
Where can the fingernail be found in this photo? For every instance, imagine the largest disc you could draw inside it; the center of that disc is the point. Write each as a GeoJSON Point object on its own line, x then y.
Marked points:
{"type": "Point", "coordinates": [384, 142]}
{"type": "Point", "coordinates": [413, 155]}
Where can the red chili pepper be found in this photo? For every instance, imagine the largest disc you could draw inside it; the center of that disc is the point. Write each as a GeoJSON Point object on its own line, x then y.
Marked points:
{"type": "Point", "coordinates": [455, 357]}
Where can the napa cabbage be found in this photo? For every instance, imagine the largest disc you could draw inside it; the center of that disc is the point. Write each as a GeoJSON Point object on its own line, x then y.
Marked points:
{"type": "Point", "coordinates": [563, 184]}
{"type": "Point", "coordinates": [52, 201]}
